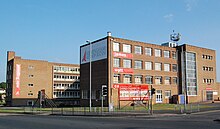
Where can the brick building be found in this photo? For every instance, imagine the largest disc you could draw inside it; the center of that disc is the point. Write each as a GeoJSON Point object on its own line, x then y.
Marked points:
{"type": "Point", "coordinates": [129, 68]}
{"type": "Point", "coordinates": [25, 78]}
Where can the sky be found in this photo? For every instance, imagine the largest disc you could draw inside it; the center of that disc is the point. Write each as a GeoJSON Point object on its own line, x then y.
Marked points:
{"type": "Point", "coordinates": [54, 30]}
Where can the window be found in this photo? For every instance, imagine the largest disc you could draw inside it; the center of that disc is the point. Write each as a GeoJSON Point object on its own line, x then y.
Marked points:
{"type": "Point", "coordinates": [158, 66]}
{"type": "Point", "coordinates": [166, 67]}
{"type": "Point", "coordinates": [127, 78]}
{"type": "Point", "coordinates": [30, 84]}
{"type": "Point", "coordinates": [166, 54]}
{"type": "Point", "coordinates": [126, 63]}
{"type": "Point", "coordinates": [175, 80]}
{"type": "Point", "coordinates": [85, 94]}
{"type": "Point", "coordinates": [148, 51]}
{"type": "Point", "coordinates": [116, 62]}
{"type": "Point", "coordinates": [116, 47]}
{"type": "Point", "coordinates": [30, 94]}
{"type": "Point", "coordinates": [167, 93]}
{"type": "Point", "coordinates": [137, 49]}
{"type": "Point", "coordinates": [174, 55]}
{"type": "Point", "coordinates": [149, 80]}
{"type": "Point", "coordinates": [167, 81]}
{"type": "Point", "coordinates": [157, 52]}
{"type": "Point", "coordinates": [30, 67]}
{"type": "Point", "coordinates": [158, 80]}
{"type": "Point", "coordinates": [138, 79]}
{"type": "Point", "coordinates": [30, 103]}
{"type": "Point", "coordinates": [138, 64]}
{"type": "Point", "coordinates": [30, 76]}
{"type": "Point", "coordinates": [116, 78]}
{"type": "Point", "coordinates": [126, 48]}
{"type": "Point", "coordinates": [148, 65]}
{"type": "Point", "coordinates": [174, 67]}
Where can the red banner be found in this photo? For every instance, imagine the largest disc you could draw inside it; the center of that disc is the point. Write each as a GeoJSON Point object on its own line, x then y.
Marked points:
{"type": "Point", "coordinates": [129, 92]}
{"type": "Point", "coordinates": [18, 73]}
{"type": "Point", "coordinates": [122, 55]}
{"type": "Point", "coordinates": [123, 70]}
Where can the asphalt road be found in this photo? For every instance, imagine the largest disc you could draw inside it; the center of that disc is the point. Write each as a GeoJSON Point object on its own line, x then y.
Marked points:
{"type": "Point", "coordinates": [189, 121]}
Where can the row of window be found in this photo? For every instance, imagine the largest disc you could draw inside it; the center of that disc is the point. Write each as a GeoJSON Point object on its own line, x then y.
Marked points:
{"type": "Point", "coordinates": [58, 76]}
{"type": "Point", "coordinates": [205, 80]}
{"type": "Point", "coordinates": [75, 86]}
{"type": "Point", "coordinates": [148, 51]}
{"type": "Point", "coordinates": [205, 68]}
{"type": "Point", "coordinates": [208, 57]}
{"type": "Point", "coordinates": [138, 79]}
{"type": "Point", "coordinates": [148, 65]}
{"type": "Point", "coordinates": [66, 94]}
{"type": "Point", "coordinates": [65, 69]}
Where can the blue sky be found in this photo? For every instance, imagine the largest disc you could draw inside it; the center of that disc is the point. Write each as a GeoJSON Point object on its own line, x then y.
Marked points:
{"type": "Point", "coordinates": [53, 30]}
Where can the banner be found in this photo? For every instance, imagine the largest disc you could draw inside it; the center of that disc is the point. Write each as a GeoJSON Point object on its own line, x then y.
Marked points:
{"type": "Point", "coordinates": [99, 52]}
{"type": "Point", "coordinates": [123, 70]}
{"type": "Point", "coordinates": [17, 79]}
{"type": "Point", "coordinates": [122, 55]}
{"type": "Point", "coordinates": [132, 92]}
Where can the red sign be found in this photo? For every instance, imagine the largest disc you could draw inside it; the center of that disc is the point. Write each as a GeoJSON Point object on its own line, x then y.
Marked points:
{"type": "Point", "coordinates": [128, 92]}
{"type": "Point", "coordinates": [208, 88]}
{"type": "Point", "coordinates": [122, 55]}
{"type": "Point", "coordinates": [17, 81]}
{"type": "Point", "coordinates": [123, 70]}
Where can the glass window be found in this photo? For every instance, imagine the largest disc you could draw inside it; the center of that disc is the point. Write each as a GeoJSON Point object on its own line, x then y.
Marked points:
{"type": "Point", "coordinates": [116, 47]}
{"type": "Point", "coordinates": [127, 78]}
{"type": "Point", "coordinates": [167, 81]}
{"type": "Point", "coordinates": [174, 55]}
{"type": "Point", "coordinates": [138, 49]}
{"type": "Point", "coordinates": [166, 67]}
{"type": "Point", "coordinates": [84, 94]}
{"type": "Point", "coordinates": [138, 79]}
{"type": "Point", "coordinates": [116, 62]}
{"type": "Point", "coordinates": [157, 52]}
{"type": "Point", "coordinates": [158, 80]}
{"type": "Point", "coordinates": [30, 84]}
{"type": "Point", "coordinates": [167, 93]}
{"type": "Point", "coordinates": [174, 67]}
{"type": "Point", "coordinates": [175, 80]}
{"type": "Point", "coordinates": [126, 48]}
{"type": "Point", "coordinates": [148, 65]}
{"type": "Point", "coordinates": [127, 63]}
{"type": "Point", "coordinates": [149, 80]}
{"type": "Point", "coordinates": [116, 78]}
{"type": "Point", "coordinates": [166, 54]}
{"type": "Point", "coordinates": [158, 66]}
{"type": "Point", "coordinates": [148, 51]}
{"type": "Point", "coordinates": [138, 64]}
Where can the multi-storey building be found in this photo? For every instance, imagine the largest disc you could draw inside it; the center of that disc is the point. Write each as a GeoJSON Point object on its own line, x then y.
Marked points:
{"type": "Point", "coordinates": [25, 78]}
{"type": "Point", "coordinates": [130, 68]}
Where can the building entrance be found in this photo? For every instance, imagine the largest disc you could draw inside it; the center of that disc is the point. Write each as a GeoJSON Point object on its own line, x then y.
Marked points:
{"type": "Point", "coordinates": [209, 95]}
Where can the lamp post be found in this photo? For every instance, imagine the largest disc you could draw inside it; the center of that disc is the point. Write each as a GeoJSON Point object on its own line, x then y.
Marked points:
{"type": "Point", "coordinates": [90, 76]}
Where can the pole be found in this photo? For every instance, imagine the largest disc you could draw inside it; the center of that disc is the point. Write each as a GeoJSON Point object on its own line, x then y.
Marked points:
{"type": "Point", "coordinates": [183, 79]}
{"type": "Point", "coordinates": [90, 77]}
{"type": "Point", "coordinates": [151, 102]}
{"type": "Point", "coordinates": [102, 105]}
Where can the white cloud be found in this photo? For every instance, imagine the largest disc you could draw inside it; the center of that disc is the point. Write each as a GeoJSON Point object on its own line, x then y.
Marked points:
{"type": "Point", "coordinates": [168, 17]}
{"type": "Point", "coordinates": [190, 4]}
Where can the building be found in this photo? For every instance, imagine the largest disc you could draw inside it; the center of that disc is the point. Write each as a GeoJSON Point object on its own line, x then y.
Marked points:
{"type": "Point", "coordinates": [25, 78]}
{"type": "Point", "coordinates": [130, 68]}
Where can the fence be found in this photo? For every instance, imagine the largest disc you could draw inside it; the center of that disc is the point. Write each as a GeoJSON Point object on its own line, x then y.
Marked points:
{"type": "Point", "coordinates": [129, 110]}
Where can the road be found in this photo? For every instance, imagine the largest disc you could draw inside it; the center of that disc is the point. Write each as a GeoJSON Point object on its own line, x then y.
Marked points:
{"type": "Point", "coordinates": [189, 121]}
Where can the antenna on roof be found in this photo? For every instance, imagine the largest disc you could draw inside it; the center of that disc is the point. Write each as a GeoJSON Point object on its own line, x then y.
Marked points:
{"type": "Point", "coordinates": [175, 36]}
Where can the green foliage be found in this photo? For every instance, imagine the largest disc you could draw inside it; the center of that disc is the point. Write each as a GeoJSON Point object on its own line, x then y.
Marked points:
{"type": "Point", "coordinates": [3, 85]}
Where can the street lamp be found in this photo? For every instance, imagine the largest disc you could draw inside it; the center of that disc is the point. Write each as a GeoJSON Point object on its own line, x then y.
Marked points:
{"type": "Point", "coordinates": [90, 76]}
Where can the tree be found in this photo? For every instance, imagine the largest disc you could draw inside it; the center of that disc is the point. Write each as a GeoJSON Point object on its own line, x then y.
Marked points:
{"type": "Point", "coordinates": [3, 85]}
